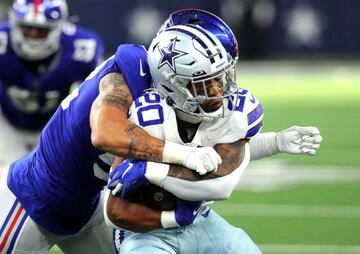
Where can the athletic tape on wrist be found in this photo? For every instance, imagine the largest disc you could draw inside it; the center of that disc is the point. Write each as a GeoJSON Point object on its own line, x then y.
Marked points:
{"type": "Point", "coordinates": [263, 145]}
{"type": "Point", "coordinates": [168, 219]}
{"type": "Point", "coordinates": [175, 153]}
{"type": "Point", "coordinates": [156, 172]}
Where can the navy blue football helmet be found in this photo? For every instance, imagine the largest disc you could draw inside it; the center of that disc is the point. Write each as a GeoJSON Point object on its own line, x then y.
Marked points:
{"type": "Point", "coordinates": [207, 21]}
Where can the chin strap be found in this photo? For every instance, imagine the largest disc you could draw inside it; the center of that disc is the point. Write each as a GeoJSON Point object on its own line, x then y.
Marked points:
{"type": "Point", "coordinates": [187, 117]}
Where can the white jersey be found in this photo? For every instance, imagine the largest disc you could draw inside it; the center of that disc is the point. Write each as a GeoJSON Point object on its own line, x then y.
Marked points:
{"type": "Point", "coordinates": [151, 112]}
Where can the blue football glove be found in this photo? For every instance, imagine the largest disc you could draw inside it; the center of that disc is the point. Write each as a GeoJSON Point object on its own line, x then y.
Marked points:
{"type": "Point", "coordinates": [186, 211]}
{"type": "Point", "coordinates": [127, 176]}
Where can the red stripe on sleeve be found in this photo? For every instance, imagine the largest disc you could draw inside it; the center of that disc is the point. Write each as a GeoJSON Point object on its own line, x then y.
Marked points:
{"type": "Point", "coordinates": [8, 232]}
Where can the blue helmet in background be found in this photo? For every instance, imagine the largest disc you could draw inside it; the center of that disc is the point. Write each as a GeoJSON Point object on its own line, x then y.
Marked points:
{"type": "Point", "coordinates": [44, 14]}
{"type": "Point", "coordinates": [207, 21]}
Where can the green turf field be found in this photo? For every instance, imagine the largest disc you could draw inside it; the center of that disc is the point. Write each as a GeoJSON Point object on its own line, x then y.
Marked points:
{"type": "Point", "coordinates": [321, 213]}
{"type": "Point", "coordinates": [314, 216]}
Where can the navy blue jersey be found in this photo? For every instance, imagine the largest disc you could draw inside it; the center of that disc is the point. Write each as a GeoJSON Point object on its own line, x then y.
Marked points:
{"type": "Point", "coordinates": [28, 98]}
{"type": "Point", "coordinates": [64, 175]}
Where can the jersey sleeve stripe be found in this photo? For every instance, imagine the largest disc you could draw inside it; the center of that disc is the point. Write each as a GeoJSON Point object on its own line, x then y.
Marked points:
{"type": "Point", "coordinates": [255, 114]}
{"type": "Point", "coordinates": [254, 130]}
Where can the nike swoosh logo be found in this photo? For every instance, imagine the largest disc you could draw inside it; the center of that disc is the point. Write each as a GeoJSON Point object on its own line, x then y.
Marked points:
{"type": "Point", "coordinates": [206, 214]}
{"type": "Point", "coordinates": [142, 73]}
{"type": "Point", "coordinates": [252, 99]}
{"type": "Point", "coordinates": [127, 169]}
{"type": "Point", "coordinates": [196, 211]}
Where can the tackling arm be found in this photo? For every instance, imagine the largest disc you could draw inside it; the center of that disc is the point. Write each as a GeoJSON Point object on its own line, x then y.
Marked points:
{"type": "Point", "coordinates": [112, 132]}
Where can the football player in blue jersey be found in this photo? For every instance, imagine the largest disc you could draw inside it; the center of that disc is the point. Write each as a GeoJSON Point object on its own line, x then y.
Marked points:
{"type": "Point", "coordinates": [52, 195]}
{"type": "Point", "coordinates": [42, 55]}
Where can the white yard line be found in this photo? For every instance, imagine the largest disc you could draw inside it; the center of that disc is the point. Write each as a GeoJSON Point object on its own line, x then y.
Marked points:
{"type": "Point", "coordinates": [280, 210]}
{"type": "Point", "coordinates": [277, 175]}
{"type": "Point", "coordinates": [309, 249]}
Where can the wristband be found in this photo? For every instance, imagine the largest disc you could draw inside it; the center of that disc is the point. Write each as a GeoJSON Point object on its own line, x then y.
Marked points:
{"type": "Point", "coordinates": [174, 153]}
{"type": "Point", "coordinates": [156, 172]}
{"type": "Point", "coordinates": [168, 219]}
{"type": "Point", "coordinates": [106, 217]}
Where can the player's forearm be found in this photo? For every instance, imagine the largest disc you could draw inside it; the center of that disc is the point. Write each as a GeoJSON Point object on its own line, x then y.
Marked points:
{"type": "Point", "coordinates": [218, 185]}
{"type": "Point", "coordinates": [231, 154]}
{"type": "Point", "coordinates": [119, 136]}
{"type": "Point", "coordinates": [111, 131]}
{"type": "Point", "coordinates": [132, 216]}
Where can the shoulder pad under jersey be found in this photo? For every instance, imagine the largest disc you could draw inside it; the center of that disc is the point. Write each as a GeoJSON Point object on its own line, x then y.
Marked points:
{"type": "Point", "coordinates": [246, 120]}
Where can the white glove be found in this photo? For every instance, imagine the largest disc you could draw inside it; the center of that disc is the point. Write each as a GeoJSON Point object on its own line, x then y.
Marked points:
{"type": "Point", "coordinates": [202, 159]}
{"type": "Point", "coordinates": [299, 140]}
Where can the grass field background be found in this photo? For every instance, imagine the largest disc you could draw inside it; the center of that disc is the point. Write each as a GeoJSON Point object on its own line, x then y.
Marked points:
{"type": "Point", "coordinates": [317, 215]}
{"type": "Point", "coordinates": [321, 213]}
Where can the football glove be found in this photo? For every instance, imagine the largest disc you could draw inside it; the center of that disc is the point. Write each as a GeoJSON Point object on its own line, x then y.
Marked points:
{"type": "Point", "coordinates": [202, 159]}
{"type": "Point", "coordinates": [184, 214]}
{"type": "Point", "coordinates": [299, 140]}
{"type": "Point", "coordinates": [127, 176]}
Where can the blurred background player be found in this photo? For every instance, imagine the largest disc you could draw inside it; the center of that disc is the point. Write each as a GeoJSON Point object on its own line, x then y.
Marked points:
{"type": "Point", "coordinates": [42, 55]}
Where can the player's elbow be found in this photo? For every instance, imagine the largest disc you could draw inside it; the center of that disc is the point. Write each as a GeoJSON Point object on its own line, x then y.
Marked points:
{"type": "Point", "coordinates": [102, 139]}
{"type": "Point", "coordinates": [99, 140]}
{"type": "Point", "coordinates": [111, 211]}
{"type": "Point", "coordinates": [224, 189]}
{"type": "Point", "coordinates": [223, 193]}
{"type": "Point", "coordinates": [114, 216]}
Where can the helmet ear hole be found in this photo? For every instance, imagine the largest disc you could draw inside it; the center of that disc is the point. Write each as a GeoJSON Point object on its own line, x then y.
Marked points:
{"type": "Point", "coordinates": [169, 101]}
{"type": "Point", "coordinates": [193, 20]}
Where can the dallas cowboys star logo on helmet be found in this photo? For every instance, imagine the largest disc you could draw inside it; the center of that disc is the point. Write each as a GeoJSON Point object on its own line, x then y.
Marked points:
{"type": "Point", "coordinates": [169, 54]}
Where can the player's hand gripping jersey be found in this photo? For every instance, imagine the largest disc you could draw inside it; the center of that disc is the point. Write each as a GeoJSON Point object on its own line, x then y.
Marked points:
{"type": "Point", "coordinates": [29, 96]}
{"type": "Point", "coordinates": [67, 171]}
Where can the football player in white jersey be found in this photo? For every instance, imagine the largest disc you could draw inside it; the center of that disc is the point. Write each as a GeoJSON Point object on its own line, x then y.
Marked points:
{"type": "Point", "coordinates": [196, 104]}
